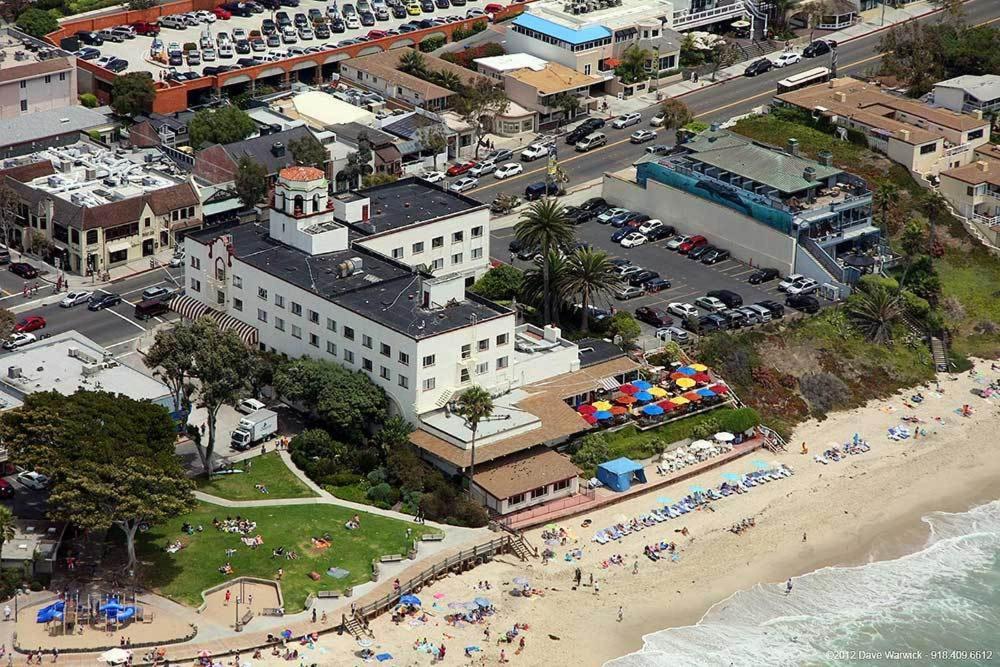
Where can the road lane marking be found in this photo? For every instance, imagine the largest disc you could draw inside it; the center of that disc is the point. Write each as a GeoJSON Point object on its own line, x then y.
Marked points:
{"type": "Point", "coordinates": [137, 326]}
{"type": "Point", "coordinates": [124, 342]}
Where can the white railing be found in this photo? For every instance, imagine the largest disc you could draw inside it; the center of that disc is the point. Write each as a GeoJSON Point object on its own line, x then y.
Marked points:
{"type": "Point", "coordinates": [955, 150]}
{"type": "Point", "coordinates": [993, 221]}
{"type": "Point", "coordinates": [687, 19]}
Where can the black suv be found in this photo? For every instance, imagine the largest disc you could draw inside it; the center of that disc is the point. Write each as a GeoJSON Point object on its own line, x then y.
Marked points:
{"type": "Point", "coordinates": [594, 206]}
{"type": "Point", "coordinates": [731, 299]}
{"type": "Point", "coordinates": [585, 128]}
{"type": "Point", "coordinates": [641, 277]}
{"type": "Point", "coordinates": [758, 67]}
{"type": "Point", "coordinates": [268, 27]}
{"type": "Point", "coordinates": [777, 310]}
{"type": "Point", "coordinates": [574, 215]}
{"type": "Point", "coordinates": [763, 275]}
{"type": "Point", "coordinates": [804, 302]}
{"type": "Point", "coordinates": [696, 253]}
{"type": "Point", "coordinates": [818, 48]}
{"type": "Point", "coordinates": [90, 38]}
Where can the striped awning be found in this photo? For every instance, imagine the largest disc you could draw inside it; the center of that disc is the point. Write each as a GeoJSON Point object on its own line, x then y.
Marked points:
{"type": "Point", "coordinates": [609, 383]}
{"type": "Point", "coordinates": [191, 309]}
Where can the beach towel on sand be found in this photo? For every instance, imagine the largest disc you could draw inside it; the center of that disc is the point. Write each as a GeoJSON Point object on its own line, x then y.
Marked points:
{"type": "Point", "coordinates": [382, 657]}
{"type": "Point", "coordinates": [337, 572]}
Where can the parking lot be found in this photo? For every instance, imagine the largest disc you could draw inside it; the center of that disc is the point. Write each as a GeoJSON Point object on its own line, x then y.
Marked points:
{"type": "Point", "coordinates": [136, 51]}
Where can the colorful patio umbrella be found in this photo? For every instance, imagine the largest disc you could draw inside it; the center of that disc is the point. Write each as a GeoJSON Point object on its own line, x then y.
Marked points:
{"type": "Point", "coordinates": [719, 388]}
{"type": "Point", "coordinates": [723, 436]}
{"type": "Point", "coordinates": [602, 415]}
{"type": "Point", "coordinates": [653, 410]}
{"type": "Point", "coordinates": [679, 400]}
{"type": "Point", "coordinates": [701, 368]}
{"type": "Point", "coordinates": [663, 500]}
{"type": "Point", "coordinates": [625, 400]}
{"type": "Point", "coordinates": [641, 385]}
{"type": "Point", "coordinates": [586, 409]}
{"type": "Point", "coordinates": [602, 405]}
{"type": "Point", "coordinates": [658, 392]}
{"type": "Point", "coordinates": [618, 410]}
{"type": "Point", "coordinates": [730, 477]}
{"type": "Point", "coordinates": [686, 370]}
{"type": "Point", "coordinates": [483, 602]}
{"type": "Point", "coordinates": [701, 378]}
{"type": "Point", "coordinates": [705, 392]}
{"type": "Point", "coordinates": [697, 489]}
{"type": "Point", "coordinates": [643, 396]}
{"type": "Point", "coordinates": [412, 600]}
{"type": "Point", "coordinates": [692, 396]}
{"type": "Point", "coordinates": [628, 388]}
{"type": "Point", "coordinates": [686, 383]}
{"type": "Point", "coordinates": [590, 419]}
{"type": "Point", "coordinates": [677, 376]}
{"type": "Point", "coordinates": [666, 405]}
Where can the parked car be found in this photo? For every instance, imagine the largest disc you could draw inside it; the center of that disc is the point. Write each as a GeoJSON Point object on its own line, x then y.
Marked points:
{"type": "Point", "coordinates": [675, 334]}
{"type": "Point", "coordinates": [33, 480]}
{"type": "Point", "coordinates": [658, 317]}
{"type": "Point", "coordinates": [728, 297]}
{"type": "Point", "coordinates": [534, 152]}
{"type": "Point", "coordinates": [29, 324]}
{"type": "Point", "coordinates": [657, 284]}
{"type": "Point", "coordinates": [697, 253]}
{"type": "Point", "coordinates": [818, 47]}
{"type": "Point", "coordinates": [460, 168]}
{"type": "Point", "coordinates": [787, 58]}
{"type": "Point", "coordinates": [660, 233]}
{"type": "Point", "coordinates": [147, 28]}
{"type": "Point", "coordinates": [752, 316]}
{"type": "Point", "coordinates": [633, 239]}
{"type": "Point", "coordinates": [249, 406]}
{"type": "Point", "coordinates": [762, 276]}
{"type": "Point", "coordinates": [591, 141]}
{"type": "Point", "coordinates": [605, 216]}
{"type": "Point", "coordinates": [643, 277]}
{"type": "Point", "coordinates": [482, 168]}
{"type": "Point", "coordinates": [104, 300]}
{"type": "Point", "coordinates": [650, 225]}
{"type": "Point", "coordinates": [735, 318]}
{"type": "Point", "coordinates": [621, 218]}
{"type": "Point", "coordinates": [583, 129]}
{"type": "Point", "coordinates": [777, 310]}
{"type": "Point", "coordinates": [6, 490]}
{"type": "Point", "coordinates": [804, 286]}
{"type": "Point", "coordinates": [658, 149]}
{"type": "Point", "coordinates": [676, 242]}
{"type": "Point", "coordinates": [658, 119]}
{"type": "Point", "coordinates": [464, 184]}
{"type": "Point", "coordinates": [594, 206]}
{"type": "Point", "coordinates": [625, 292]}
{"type": "Point", "coordinates": [710, 303]}
{"type": "Point", "coordinates": [803, 302]}
{"type": "Point", "coordinates": [109, 35]}
{"type": "Point", "coordinates": [499, 155]}
{"type": "Point", "coordinates": [627, 119]}
{"type": "Point", "coordinates": [23, 269]}
{"type": "Point", "coordinates": [789, 281]}
{"type": "Point", "coordinates": [88, 53]}
{"type": "Point", "coordinates": [433, 176]}
{"type": "Point", "coordinates": [758, 67]}
{"type": "Point", "coordinates": [620, 234]}
{"type": "Point", "coordinates": [715, 255]}
{"type": "Point", "coordinates": [642, 136]}
{"type": "Point", "coordinates": [90, 38]}
{"type": "Point", "coordinates": [696, 241]}
{"type": "Point", "coordinates": [574, 215]}
{"type": "Point", "coordinates": [682, 310]}
{"type": "Point", "coordinates": [17, 340]}
{"type": "Point", "coordinates": [712, 322]}
{"type": "Point", "coordinates": [542, 189]}
{"type": "Point", "coordinates": [763, 314]}
{"type": "Point", "coordinates": [156, 292]}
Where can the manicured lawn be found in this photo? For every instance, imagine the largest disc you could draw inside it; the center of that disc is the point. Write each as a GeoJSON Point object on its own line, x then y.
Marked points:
{"type": "Point", "coordinates": [268, 470]}
{"type": "Point", "coordinates": [183, 575]}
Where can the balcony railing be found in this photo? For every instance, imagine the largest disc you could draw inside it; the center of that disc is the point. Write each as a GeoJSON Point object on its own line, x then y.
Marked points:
{"type": "Point", "coordinates": [956, 150]}
{"type": "Point", "coordinates": [688, 19]}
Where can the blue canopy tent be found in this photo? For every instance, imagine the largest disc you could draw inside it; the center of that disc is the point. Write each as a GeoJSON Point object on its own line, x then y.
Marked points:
{"type": "Point", "coordinates": [618, 475]}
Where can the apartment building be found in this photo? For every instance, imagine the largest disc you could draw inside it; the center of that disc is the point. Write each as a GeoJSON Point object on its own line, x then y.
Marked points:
{"type": "Point", "coordinates": [974, 190]}
{"type": "Point", "coordinates": [34, 75]}
{"type": "Point", "coordinates": [924, 139]}
{"type": "Point", "coordinates": [969, 93]}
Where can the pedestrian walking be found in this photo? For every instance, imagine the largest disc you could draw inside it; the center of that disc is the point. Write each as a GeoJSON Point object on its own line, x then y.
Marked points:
{"type": "Point", "coordinates": [788, 586]}
{"type": "Point", "coordinates": [6, 613]}
{"type": "Point", "coordinates": [250, 599]}
{"type": "Point", "coordinates": [591, 579]}
{"type": "Point", "coordinates": [314, 614]}
{"type": "Point", "coordinates": [621, 614]}
{"type": "Point", "coordinates": [229, 596]}
{"type": "Point", "coordinates": [635, 567]}
{"type": "Point", "coordinates": [55, 654]}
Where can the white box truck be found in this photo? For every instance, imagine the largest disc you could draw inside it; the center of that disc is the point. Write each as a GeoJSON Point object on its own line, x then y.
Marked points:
{"type": "Point", "coordinates": [254, 428]}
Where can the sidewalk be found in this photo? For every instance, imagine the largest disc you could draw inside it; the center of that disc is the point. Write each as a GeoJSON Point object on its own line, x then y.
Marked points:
{"type": "Point", "coordinates": [50, 274]}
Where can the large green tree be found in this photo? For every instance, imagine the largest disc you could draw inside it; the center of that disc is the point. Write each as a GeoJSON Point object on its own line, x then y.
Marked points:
{"type": "Point", "coordinates": [501, 283]}
{"type": "Point", "coordinates": [474, 405]}
{"type": "Point", "coordinates": [37, 22]}
{"type": "Point", "coordinates": [111, 459]}
{"type": "Point", "coordinates": [219, 126]}
{"type": "Point", "coordinates": [171, 356]}
{"type": "Point", "coordinates": [544, 225]}
{"type": "Point", "coordinates": [479, 105]}
{"type": "Point", "coordinates": [132, 94]}
{"type": "Point", "coordinates": [589, 273]}
{"type": "Point", "coordinates": [7, 524]}
{"type": "Point", "coordinates": [308, 152]}
{"type": "Point", "coordinates": [633, 64]}
{"type": "Point", "coordinates": [250, 182]}
{"type": "Point", "coordinates": [675, 113]}
{"type": "Point", "coordinates": [9, 203]}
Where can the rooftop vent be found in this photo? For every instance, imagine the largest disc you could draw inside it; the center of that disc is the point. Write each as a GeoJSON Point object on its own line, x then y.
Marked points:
{"type": "Point", "coordinates": [825, 158]}
{"type": "Point", "coordinates": [793, 146]}
{"type": "Point", "coordinates": [809, 173]}
{"type": "Point", "coordinates": [277, 149]}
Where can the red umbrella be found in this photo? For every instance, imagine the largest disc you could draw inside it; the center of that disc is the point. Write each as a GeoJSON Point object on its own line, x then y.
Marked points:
{"type": "Point", "coordinates": [618, 410]}
{"type": "Point", "coordinates": [586, 409]}
{"type": "Point", "coordinates": [678, 376]}
{"type": "Point", "coordinates": [701, 377]}
{"type": "Point", "coordinates": [590, 419]}
{"type": "Point", "coordinates": [625, 400]}
{"type": "Point", "coordinates": [693, 396]}
{"type": "Point", "coordinates": [628, 389]}
{"type": "Point", "coordinates": [666, 405]}
{"type": "Point", "coordinates": [719, 388]}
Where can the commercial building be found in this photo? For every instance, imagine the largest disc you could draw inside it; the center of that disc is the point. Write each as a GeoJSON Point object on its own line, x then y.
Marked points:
{"type": "Point", "coordinates": [924, 139]}
{"type": "Point", "coordinates": [974, 190]}
{"type": "Point", "coordinates": [34, 546]}
{"type": "Point", "coordinates": [34, 75]}
{"type": "Point", "coordinates": [969, 93]}
{"type": "Point", "coordinates": [88, 208]}
{"type": "Point", "coordinates": [219, 163]}
{"type": "Point", "coordinates": [71, 362]}
{"type": "Point", "coordinates": [542, 90]}
{"type": "Point", "coordinates": [28, 133]}
{"type": "Point", "coordinates": [768, 206]}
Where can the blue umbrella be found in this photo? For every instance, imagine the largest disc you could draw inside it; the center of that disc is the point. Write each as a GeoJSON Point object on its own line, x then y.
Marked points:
{"type": "Point", "coordinates": [602, 415]}
{"type": "Point", "coordinates": [663, 500]}
{"type": "Point", "coordinates": [697, 489]}
{"type": "Point", "coordinates": [731, 476]}
{"type": "Point", "coordinates": [706, 392]}
{"type": "Point", "coordinates": [410, 600]}
{"type": "Point", "coordinates": [642, 396]}
{"type": "Point", "coordinates": [760, 465]}
{"type": "Point", "coordinates": [687, 370]}
{"type": "Point", "coordinates": [653, 410]}
{"type": "Point", "coordinates": [483, 602]}
{"type": "Point", "coordinates": [642, 385]}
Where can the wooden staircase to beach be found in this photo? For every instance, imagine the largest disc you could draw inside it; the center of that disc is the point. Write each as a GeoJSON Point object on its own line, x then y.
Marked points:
{"type": "Point", "coordinates": [356, 627]}
{"type": "Point", "coordinates": [939, 351]}
{"type": "Point", "coordinates": [520, 548]}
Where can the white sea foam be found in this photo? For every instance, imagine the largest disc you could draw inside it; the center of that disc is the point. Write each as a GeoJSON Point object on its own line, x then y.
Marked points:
{"type": "Point", "coordinates": [924, 597]}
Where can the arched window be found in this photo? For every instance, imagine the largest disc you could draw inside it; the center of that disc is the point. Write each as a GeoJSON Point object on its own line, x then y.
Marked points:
{"type": "Point", "coordinates": [315, 203]}
{"type": "Point", "coordinates": [299, 205]}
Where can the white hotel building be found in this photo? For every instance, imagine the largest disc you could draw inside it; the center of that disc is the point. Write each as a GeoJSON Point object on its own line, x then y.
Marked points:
{"type": "Point", "coordinates": [337, 278]}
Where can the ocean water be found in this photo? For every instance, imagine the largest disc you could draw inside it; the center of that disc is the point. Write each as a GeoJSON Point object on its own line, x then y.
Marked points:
{"type": "Point", "coordinates": [937, 606]}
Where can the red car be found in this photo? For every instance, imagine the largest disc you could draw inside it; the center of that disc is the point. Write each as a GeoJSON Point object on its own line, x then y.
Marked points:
{"type": "Point", "coordinates": [223, 14]}
{"type": "Point", "coordinates": [694, 242]}
{"type": "Point", "coordinates": [146, 28]}
{"type": "Point", "coordinates": [460, 168]}
{"type": "Point", "coordinates": [6, 490]}
{"type": "Point", "coordinates": [30, 323]}
{"type": "Point", "coordinates": [493, 8]}
{"type": "Point", "coordinates": [376, 34]}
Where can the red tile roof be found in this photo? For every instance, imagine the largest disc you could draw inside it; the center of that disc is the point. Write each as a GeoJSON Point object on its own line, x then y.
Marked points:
{"type": "Point", "coordinates": [299, 173]}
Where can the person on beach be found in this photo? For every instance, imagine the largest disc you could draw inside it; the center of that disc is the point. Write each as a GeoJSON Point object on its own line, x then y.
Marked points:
{"type": "Point", "coordinates": [229, 595]}
{"type": "Point", "coordinates": [788, 586]}
{"type": "Point", "coordinates": [621, 613]}
{"type": "Point", "coordinates": [635, 567]}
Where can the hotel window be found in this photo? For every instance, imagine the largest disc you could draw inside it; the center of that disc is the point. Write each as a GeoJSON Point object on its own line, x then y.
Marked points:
{"type": "Point", "coordinates": [417, 248]}
{"type": "Point", "coordinates": [501, 363]}
{"type": "Point", "coordinates": [314, 340]}
{"type": "Point", "coordinates": [437, 264]}
{"type": "Point", "coordinates": [238, 305]}
{"type": "Point", "coordinates": [48, 78]}
{"type": "Point", "coordinates": [456, 258]}
{"type": "Point", "coordinates": [437, 242]}
{"type": "Point", "coordinates": [348, 356]}
{"type": "Point", "coordinates": [975, 134]}
{"type": "Point", "coordinates": [464, 376]}
{"type": "Point", "coordinates": [237, 282]}
{"type": "Point", "coordinates": [331, 348]}
{"type": "Point", "coordinates": [296, 331]}
{"type": "Point", "coordinates": [502, 339]}
{"type": "Point", "coordinates": [348, 333]}
{"type": "Point", "coordinates": [404, 382]}
{"type": "Point", "coordinates": [296, 308]}
{"type": "Point", "coordinates": [279, 324]}
{"type": "Point", "coordinates": [929, 148]}
{"type": "Point", "coordinates": [262, 315]}
{"type": "Point", "coordinates": [261, 292]}
{"type": "Point", "coordinates": [404, 358]}
{"type": "Point", "coordinates": [62, 76]}
{"type": "Point", "coordinates": [220, 297]}
{"type": "Point", "coordinates": [366, 341]}
{"type": "Point", "coordinates": [477, 232]}
{"type": "Point", "coordinates": [24, 105]}
{"type": "Point", "coordinates": [279, 301]}
{"type": "Point", "coordinates": [331, 324]}
{"type": "Point", "coordinates": [516, 499]}
{"type": "Point", "coordinates": [457, 237]}
{"type": "Point", "coordinates": [385, 373]}
{"type": "Point", "coordinates": [560, 485]}
{"type": "Point", "coordinates": [397, 253]}
{"type": "Point", "coordinates": [484, 344]}
{"type": "Point", "coordinates": [466, 351]}
{"type": "Point", "coordinates": [538, 493]}
{"type": "Point", "coordinates": [477, 253]}
{"type": "Point", "coordinates": [385, 350]}
{"type": "Point", "coordinates": [483, 368]}
{"type": "Point", "coordinates": [314, 317]}
{"type": "Point", "coordinates": [366, 364]}
{"type": "Point", "coordinates": [195, 261]}
{"type": "Point", "coordinates": [428, 361]}
{"type": "Point", "coordinates": [196, 285]}
{"type": "Point", "coordinates": [429, 384]}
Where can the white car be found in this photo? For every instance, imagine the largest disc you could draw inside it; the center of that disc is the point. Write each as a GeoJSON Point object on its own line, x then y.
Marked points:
{"type": "Point", "coordinates": [804, 286]}
{"type": "Point", "coordinates": [238, 34]}
{"type": "Point", "coordinates": [788, 58]}
{"type": "Point", "coordinates": [433, 176]}
{"type": "Point", "coordinates": [75, 299]}
{"type": "Point", "coordinates": [225, 50]}
{"type": "Point", "coordinates": [249, 406]}
{"type": "Point", "coordinates": [650, 225]}
{"type": "Point", "coordinates": [17, 340]}
{"type": "Point", "coordinates": [352, 23]}
{"type": "Point", "coordinates": [626, 119]}
{"type": "Point", "coordinates": [642, 136]}
{"type": "Point", "coordinates": [32, 479]}
{"type": "Point", "coordinates": [684, 310]}
{"type": "Point", "coordinates": [508, 170]}
{"type": "Point", "coordinates": [464, 183]}
{"type": "Point", "coordinates": [675, 243]}
{"type": "Point", "coordinates": [789, 281]}
{"type": "Point", "coordinates": [206, 17]}
{"type": "Point", "coordinates": [710, 303]}
{"type": "Point", "coordinates": [483, 168]}
{"type": "Point", "coordinates": [208, 55]}
{"type": "Point", "coordinates": [632, 240]}
{"type": "Point", "coordinates": [534, 152]}
{"type": "Point", "coordinates": [675, 334]}
{"type": "Point", "coordinates": [177, 260]}
{"type": "Point", "coordinates": [657, 119]}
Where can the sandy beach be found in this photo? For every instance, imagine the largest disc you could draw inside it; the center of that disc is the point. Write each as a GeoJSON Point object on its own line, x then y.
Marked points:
{"type": "Point", "coordinates": [866, 507]}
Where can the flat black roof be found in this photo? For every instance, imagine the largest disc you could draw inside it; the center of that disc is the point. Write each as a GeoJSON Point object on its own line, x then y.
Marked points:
{"type": "Point", "coordinates": [408, 202]}
{"type": "Point", "coordinates": [597, 351]}
{"type": "Point", "coordinates": [381, 290]}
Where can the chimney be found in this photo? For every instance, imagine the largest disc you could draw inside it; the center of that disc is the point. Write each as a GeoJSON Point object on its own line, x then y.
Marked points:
{"type": "Point", "coordinates": [840, 97]}
{"type": "Point", "coordinates": [715, 127]}
{"type": "Point", "coordinates": [904, 135]}
{"type": "Point", "coordinates": [793, 146]}
{"type": "Point", "coordinates": [978, 114]}
{"type": "Point", "coordinates": [809, 173]}
{"type": "Point", "coordinates": [825, 158]}
{"type": "Point", "coordinates": [983, 166]}
{"type": "Point", "coordinates": [277, 149]}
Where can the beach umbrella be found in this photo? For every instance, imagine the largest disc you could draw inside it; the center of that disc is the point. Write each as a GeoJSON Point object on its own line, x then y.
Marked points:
{"type": "Point", "coordinates": [470, 606]}
{"type": "Point", "coordinates": [686, 383]}
{"type": "Point", "coordinates": [719, 388]}
{"type": "Point", "coordinates": [618, 410]}
{"type": "Point", "coordinates": [658, 392]}
{"type": "Point", "coordinates": [705, 392]}
{"type": "Point", "coordinates": [663, 500]}
{"type": "Point", "coordinates": [601, 406]}
{"type": "Point", "coordinates": [703, 378]}
{"type": "Point", "coordinates": [483, 602]}
{"type": "Point", "coordinates": [686, 370]}
{"type": "Point", "coordinates": [642, 385]}
{"type": "Point", "coordinates": [653, 410]}
{"type": "Point", "coordinates": [410, 599]}
{"type": "Point", "coordinates": [666, 405]}
{"type": "Point", "coordinates": [677, 376]}
{"type": "Point", "coordinates": [365, 642]}
{"type": "Point", "coordinates": [625, 399]}
{"type": "Point", "coordinates": [730, 476]}
{"type": "Point", "coordinates": [643, 396]}
{"type": "Point", "coordinates": [700, 444]}
{"type": "Point", "coordinates": [522, 581]}
{"type": "Point", "coordinates": [760, 465]}
{"type": "Point", "coordinates": [679, 400]}
{"type": "Point", "coordinates": [590, 419]}
{"type": "Point", "coordinates": [115, 656]}
{"type": "Point", "coordinates": [586, 409]}
{"type": "Point", "coordinates": [628, 388]}
{"type": "Point", "coordinates": [723, 436]}
{"type": "Point", "coordinates": [602, 415]}
{"type": "Point", "coordinates": [700, 368]}
{"type": "Point", "coordinates": [692, 396]}
{"type": "Point", "coordinates": [697, 489]}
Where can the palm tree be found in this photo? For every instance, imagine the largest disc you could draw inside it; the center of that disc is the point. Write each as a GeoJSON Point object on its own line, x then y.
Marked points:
{"type": "Point", "coordinates": [474, 405]}
{"type": "Point", "coordinates": [6, 525]}
{"type": "Point", "coordinates": [544, 225]}
{"type": "Point", "coordinates": [413, 62]}
{"type": "Point", "coordinates": [875, 311]}
{"type": "Point", "coordinates": [588, 273]}
{"type": "Point", "coordinates": [448, 80]}
{"type": "Point", "coordinates": [886, 195]}
{"type": "Point", "coordinates": [533, 283]}
{"type": "Point", "coordinates": [633, 66]}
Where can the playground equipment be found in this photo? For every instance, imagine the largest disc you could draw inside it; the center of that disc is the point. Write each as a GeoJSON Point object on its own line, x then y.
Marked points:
{"type": "Point", "coordinates": [52, 612]}
{"type": "Point", "coordinates": [107, 611]}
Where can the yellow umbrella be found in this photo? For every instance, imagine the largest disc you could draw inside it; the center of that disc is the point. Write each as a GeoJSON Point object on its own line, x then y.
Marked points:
{"type": "Point", "coordinates": [679, 400]}
{"type": "Point", "coordinates": [686, 383]}
{"type": "Point", "coordinates": [603, 406]}
{"type": "Point", "coordinates": [658, 392]}
{"type": "Point", "coordinates": [701, 368]}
